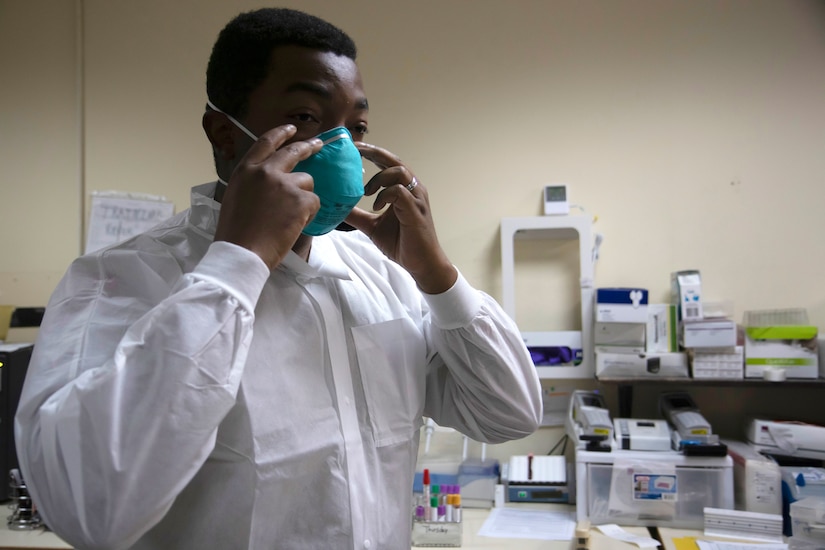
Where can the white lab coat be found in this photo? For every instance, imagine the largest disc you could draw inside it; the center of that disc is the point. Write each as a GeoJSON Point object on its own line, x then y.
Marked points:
{"type": "Point", "coordinates": [182, 396]}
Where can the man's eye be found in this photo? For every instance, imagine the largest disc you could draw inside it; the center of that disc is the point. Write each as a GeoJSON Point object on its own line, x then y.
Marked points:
{"type": "Point", "coordinates": [305, 117]}
{"type": "Point", "coordinates": [360, 129]}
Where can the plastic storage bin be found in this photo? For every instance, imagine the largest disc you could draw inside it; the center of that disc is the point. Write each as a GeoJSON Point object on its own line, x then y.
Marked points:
{"type": "Point", "coordinates": [665, 489]}
{"type": "Point", "coordinates": [808, 520]}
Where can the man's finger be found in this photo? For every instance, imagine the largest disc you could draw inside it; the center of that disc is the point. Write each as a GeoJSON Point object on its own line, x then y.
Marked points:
{"type": "Point", "coordinates": [377, 155]}
{"type": "Point", "coordinates": [268, 143]}
{"type": "Point", "coordinates": [272, 142]}
{"type": "Point", "coordinates": [387, 178]}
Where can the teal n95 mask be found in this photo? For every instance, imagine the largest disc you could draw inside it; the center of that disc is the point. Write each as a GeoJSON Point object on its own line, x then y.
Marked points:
{"type": "Point", "coordinates": [339, 179]}
{"type": "Point", "coordinates": [338, 174]}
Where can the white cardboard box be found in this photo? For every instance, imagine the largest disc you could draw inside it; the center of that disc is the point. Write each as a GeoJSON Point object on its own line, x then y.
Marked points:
{"type": "Point", "coordinates": [757, 479]}
{"type": "Point", "coordinates": [648, 365]}
{"type": "Point", "coordinates": [709, 333]}
{"type": "Point", "coordinates": [686, 293]}
{"type": "Point", "coordinates": [799, 358]}
{"type": "Point", "coordinates": [662, 328]}
{"type": "Point", "coordinates": [620, 334]}
{"type": "Point", "coordinates": [621, 305]}
{"type": "Point", "coordinates": [715, 364]}
{"type": "Point", "coordinates": [781, 339]}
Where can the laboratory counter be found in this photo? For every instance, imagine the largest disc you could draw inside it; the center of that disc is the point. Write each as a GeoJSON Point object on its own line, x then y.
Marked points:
{"type": "Point", "coordinates": [473, 520]}
{"type": "Point", "coordinates": [40, 539]}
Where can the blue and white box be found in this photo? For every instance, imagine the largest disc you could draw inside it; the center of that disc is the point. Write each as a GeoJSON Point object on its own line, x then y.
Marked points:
{"type": "Point", "coordinates": [621, 305]}
{"type": "Point", "coordinates": [686, 293]}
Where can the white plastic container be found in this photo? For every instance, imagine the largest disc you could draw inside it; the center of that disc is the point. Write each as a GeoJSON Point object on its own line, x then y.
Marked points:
{"type": "Point", "coordinates": [808, 520]}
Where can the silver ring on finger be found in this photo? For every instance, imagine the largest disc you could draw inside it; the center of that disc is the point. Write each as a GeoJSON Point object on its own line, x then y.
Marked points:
{"type": "Point", "coordinates": [412, 185]}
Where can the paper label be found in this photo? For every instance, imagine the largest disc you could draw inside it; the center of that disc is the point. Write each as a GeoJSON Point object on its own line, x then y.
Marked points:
{"type": "Point", "coordinates": [654, 487]}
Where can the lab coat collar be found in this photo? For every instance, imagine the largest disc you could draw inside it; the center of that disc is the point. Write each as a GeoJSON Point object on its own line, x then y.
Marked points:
{"type": "Point", "coordinates": [324, 260]}
{"type": "Point", "coordinates": [204, 211]}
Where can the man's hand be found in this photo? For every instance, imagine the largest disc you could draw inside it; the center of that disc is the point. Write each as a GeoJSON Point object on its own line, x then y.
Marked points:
{"type": "Point", "coordinates": [266, 206]}
{"type": "Point", "coordinates": [405, 231]}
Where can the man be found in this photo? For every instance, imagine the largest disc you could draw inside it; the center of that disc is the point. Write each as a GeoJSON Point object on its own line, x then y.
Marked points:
{"type": "Point", "coordinates": [228, 380]}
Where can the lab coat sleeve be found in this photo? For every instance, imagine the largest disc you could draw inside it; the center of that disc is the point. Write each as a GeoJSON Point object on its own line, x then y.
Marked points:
{"type": "Point", "coordinates": [125, 390]}
{"type": "Point", "coordinates": [482, 380]}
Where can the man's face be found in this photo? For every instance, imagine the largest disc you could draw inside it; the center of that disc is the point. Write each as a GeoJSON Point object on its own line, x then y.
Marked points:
{"type": "Point", "coordinates": [315, 91]}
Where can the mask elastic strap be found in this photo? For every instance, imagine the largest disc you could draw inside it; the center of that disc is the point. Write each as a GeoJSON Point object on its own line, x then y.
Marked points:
{"type": "Point", "coordinates": [243, 128]}
{"type": "Point", "coordinates": [340, 135]}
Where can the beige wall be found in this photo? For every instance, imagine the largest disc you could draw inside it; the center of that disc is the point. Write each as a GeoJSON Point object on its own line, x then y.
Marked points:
{"type": "Point", "coordinates": [693, 131]}
{"type": "Point", "coordinates": [40, 155]}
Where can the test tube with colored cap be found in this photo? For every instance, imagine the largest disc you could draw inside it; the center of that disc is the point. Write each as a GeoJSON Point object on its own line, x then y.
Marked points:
{"type": "Point", "coordinates": [426, 480]}
{"type": "Point", "coordinates": [434, 509]}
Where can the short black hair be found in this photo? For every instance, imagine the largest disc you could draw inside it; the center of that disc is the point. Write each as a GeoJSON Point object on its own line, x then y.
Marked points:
{"type": "Point", "coordinates": [240, 58]}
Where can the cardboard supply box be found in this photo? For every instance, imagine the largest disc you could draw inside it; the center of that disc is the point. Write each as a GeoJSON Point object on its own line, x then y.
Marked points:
{"type": "Point", "coordinates": [686, 293]}
{"type": "Point", "coordinates": [627, 337]}
{"type": "Point", "coordinates": [621, 305]}
{"type": "Point", "coordinates": [780, 339]}
{"type": "Point", "coordinates": [662, 328]}
{"type": "Point", "coordinates": [618, 349]}
{"type": "Point", "coordinates": [792, 348]}
{"type": "Point", "coordinates": [708, 333]}
{"type": "Point", "coordinates": [717, 364]}
{"type": "Point", "coordinates": [644, 365]}
{"type": "Point", "coordinates": [757, 479]}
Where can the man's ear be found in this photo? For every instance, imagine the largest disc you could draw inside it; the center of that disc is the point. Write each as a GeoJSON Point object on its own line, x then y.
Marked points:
{"type": "Point", "coordinates": [219, 130]}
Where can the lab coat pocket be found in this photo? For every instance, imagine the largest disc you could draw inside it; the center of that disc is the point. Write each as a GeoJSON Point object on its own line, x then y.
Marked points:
{"type": "Point", "coordinates": [392, 364]}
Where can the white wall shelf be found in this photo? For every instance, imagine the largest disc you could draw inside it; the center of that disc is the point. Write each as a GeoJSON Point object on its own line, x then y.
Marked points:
{"type": "Point", "coordinates": [554, 227]}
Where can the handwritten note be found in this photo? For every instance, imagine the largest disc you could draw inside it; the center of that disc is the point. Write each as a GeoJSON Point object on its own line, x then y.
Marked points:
{"type": "Point", "coordinates": [116, 217]}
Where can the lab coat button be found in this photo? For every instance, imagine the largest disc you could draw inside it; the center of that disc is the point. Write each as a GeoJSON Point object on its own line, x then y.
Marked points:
{"type": "Point", "coordinates": [367, 544]}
